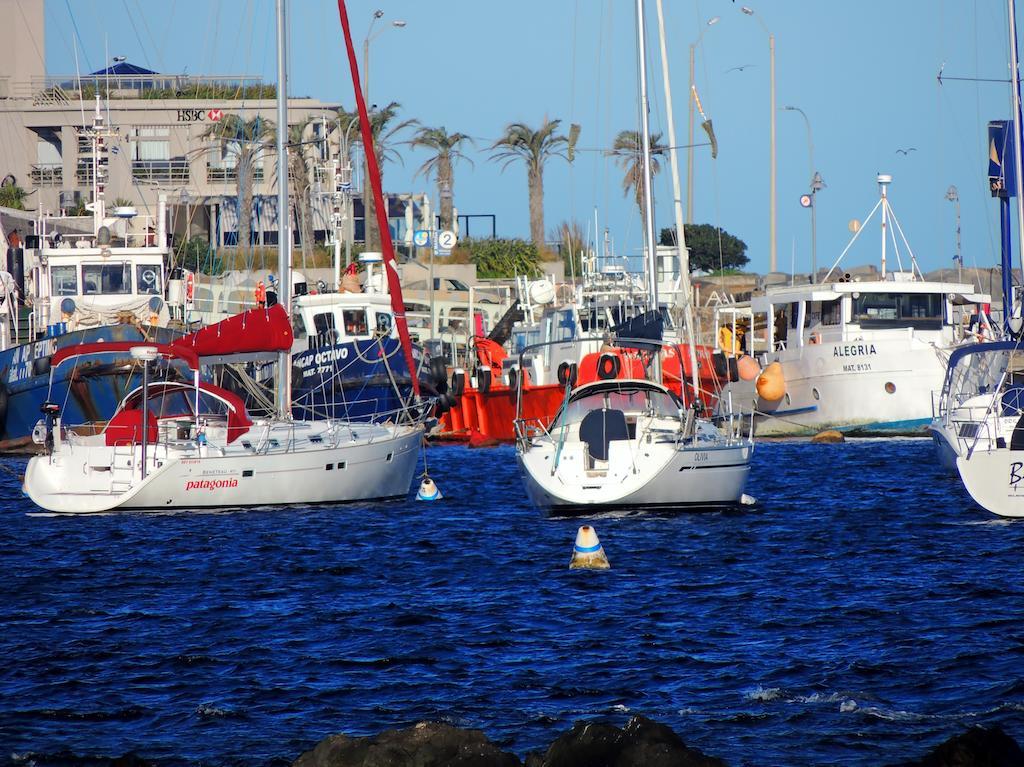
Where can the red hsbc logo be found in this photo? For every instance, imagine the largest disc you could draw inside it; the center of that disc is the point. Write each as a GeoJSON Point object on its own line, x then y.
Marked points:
{"type": "Point", "coordinates": [198, 115]}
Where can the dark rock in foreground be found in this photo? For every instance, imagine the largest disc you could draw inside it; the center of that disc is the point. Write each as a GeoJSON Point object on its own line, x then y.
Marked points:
{"type": "Point", "coordinates": [641, 743]}
{"type": "Point", "coordinates": [978, 747]}
{"type": "Point", "coordinates": [427, 744]}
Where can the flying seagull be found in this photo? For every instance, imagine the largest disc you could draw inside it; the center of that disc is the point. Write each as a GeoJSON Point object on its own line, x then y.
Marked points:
{"type": "Point", "coordinates": [740, 68]}
{"type": "Point", "coordinates": [906, 151]}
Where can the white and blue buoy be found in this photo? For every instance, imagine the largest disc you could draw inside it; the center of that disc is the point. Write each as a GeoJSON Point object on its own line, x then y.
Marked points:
{"type": "Point", "coordinates": [587, 552]}
{"type": "Point", "coordinates": [428, 491]}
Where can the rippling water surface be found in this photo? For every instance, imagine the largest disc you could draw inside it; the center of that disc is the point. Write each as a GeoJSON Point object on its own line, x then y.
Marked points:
{"type": "Point", "coordinates": [862, 612]}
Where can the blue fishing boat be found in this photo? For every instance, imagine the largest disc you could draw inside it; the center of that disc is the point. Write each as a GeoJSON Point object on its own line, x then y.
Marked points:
{"type": "Point", "coordinates": [71, 281]}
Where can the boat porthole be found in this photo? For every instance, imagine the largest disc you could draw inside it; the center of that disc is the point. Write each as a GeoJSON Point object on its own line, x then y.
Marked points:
{"type": "Point", "coordinates": [816, 393]}
{"type": "Point", "coordinates": [789, 400]}
{"type": "Point", "coordinates": [890, 387]}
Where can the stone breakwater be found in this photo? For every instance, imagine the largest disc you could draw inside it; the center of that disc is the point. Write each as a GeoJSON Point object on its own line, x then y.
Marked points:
{"type": "Point", "coordinates": [641, 743]}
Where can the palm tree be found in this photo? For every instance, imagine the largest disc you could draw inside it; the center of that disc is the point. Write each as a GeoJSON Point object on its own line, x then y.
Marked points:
{"type": "Point", "coordinates": [533, 147]}
{"type": "Point", "coordinates": [12, 196]}
{"type": "Point", "coordinates": [446, 149]}
{"type": "Point", "coordinates": [384, 133]}
{"type": "Point", "coordinates": [301, 161]}
{"type": "Point", "coordinates": [246, 140]}
{"type": "Point", "coordinates": [628, 151]}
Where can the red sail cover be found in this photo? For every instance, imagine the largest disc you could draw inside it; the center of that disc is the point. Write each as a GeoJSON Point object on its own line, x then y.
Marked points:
{"type": "Point", "coordinates": [256, 330]}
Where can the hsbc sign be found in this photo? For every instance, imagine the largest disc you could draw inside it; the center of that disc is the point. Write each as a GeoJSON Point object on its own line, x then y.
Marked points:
{"type": "Point", "coordinates": [200, 115]}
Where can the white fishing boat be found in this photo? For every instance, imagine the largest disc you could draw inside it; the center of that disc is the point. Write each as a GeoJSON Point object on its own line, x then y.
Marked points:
{"type": "Point", "coordinates": [856, 355]}
{"type": "Point", "coordinates": [628, 442]}
{"type": "Point", "coordinates": [185, 446]}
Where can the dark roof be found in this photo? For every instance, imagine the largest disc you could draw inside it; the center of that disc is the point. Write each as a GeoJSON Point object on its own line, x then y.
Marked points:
{"type": "Point", "coordinates": [123, 68]}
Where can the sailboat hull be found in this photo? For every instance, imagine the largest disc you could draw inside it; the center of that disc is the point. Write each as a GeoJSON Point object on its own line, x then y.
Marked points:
{"type": "Point", "coordinates": [100, 478]}
{"type": "Point", "coordinates": [659, 476]}
{"type": "Point", "coordinates": [995, 480]}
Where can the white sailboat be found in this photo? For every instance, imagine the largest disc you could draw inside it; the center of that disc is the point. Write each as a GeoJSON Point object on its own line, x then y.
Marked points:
{"type": "Point", "coordinates": [980, 423]}
{"type": "Point", "coordinates": [177, 445]}
{"type": "Point", "coordinates": [630, 443]}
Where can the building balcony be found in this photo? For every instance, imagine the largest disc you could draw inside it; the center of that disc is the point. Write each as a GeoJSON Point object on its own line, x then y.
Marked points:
{"type": "Point", "coordinates": [47, 174]}
{"type": "Point", "coordinates": [160, 170]}
{"type": "Point", "coordinates": [221, 174]}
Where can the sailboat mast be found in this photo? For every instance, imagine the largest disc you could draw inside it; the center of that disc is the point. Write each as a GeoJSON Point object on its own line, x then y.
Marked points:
{"type": "Point", "coordinates": [645, 143]}
{"type": "Point", "coordinates": [284, 239]}
{"type": "Point", "coordinates": [683, 256]}
{"type": "Point", "coordinates": [1017, 160]}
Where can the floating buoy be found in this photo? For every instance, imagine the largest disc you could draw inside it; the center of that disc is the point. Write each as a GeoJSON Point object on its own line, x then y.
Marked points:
{"type": "Point", "coordinates": [428, 491]}
{"type": "Point", "coordinates": [828, 437]}
{"type": "Point", "coordinates": [747, 368]}
{"type": "Point", "coordinates": [587, 552]}
{"type": "Point", "coordinates": [771, 384]}
{"type": "Point", "coordinates": [748, 500]}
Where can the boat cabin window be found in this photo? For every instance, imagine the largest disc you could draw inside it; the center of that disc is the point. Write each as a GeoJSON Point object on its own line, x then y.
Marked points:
{"type": "Point", "coordinates": [323, 326]}
{"type": "Point", "coordinates": [565, 329]}
{"type": "Point", "coordinates": [298, 326]}
{"type": "Point", "coordinates": [886, 310]}
{"type": "Point", "coordinates": [106, 279]}
{"type": "Point", "coordinates": [383, 323]}
{"type": "Point", "coordinates": [147, 278]}
{"type": "Point", "coordinates": [355, 322]}
{"type": "Point", "coordinates": [832, 312]}
{"type": "Point", "coordinates": [794, 314]}
{"type": "Point", "coordinates": [630, 402]}
{"type": "Point", "coordinates": [64, 280]}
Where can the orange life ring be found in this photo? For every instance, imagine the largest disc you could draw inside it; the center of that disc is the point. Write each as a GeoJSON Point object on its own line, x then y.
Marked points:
{"type": "Point", "coordinates": [260, 293]}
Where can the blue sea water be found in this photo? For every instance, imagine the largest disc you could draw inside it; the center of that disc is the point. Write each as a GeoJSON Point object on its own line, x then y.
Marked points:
{"type": "Point", "coordinates": [862, 612]}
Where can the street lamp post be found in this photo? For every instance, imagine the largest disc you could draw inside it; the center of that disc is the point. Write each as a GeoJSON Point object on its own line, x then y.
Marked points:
{"type": "Point", "coordinates": [689, 150]}
{"type": "Point", "coordinates": [816, 184]}
{"type": "Point", "coordinates": [953, 195]}
{"type": "Point", "coordinates": [773, 262]}
{"type": "Point", "coordinates": [370, 37]}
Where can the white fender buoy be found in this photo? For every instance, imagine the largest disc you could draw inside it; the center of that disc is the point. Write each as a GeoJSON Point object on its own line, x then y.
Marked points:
{"type": "Point", "coordinates": [587, 552]}
{"type": "Point", "coordinates": [428, 491]}
{"type": "Point", "coordinates": [748, 500]}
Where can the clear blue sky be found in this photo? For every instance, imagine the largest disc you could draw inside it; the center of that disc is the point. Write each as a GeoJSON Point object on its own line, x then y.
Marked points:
{"type": "Point", "coordinates": [864, 73]}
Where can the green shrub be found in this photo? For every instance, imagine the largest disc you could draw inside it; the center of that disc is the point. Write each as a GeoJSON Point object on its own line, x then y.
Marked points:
{"type": "Point", "coordinates": [500, 258]}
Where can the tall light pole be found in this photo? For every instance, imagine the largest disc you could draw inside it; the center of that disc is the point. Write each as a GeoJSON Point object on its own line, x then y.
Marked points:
{"type": "Point", "coordinates": [370, 37]}
{"type": "Point", "coordinates": [953, 195]}
{"type": "Point", "coordinates": [689, 150]}
{"type": "Point", "coordinates": [816, 184]}
{"type": "Point", "coordinates": [773, 254]}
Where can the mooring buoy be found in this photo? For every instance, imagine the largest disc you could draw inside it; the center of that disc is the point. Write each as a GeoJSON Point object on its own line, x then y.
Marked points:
{"type": "Point", "coordinates": [428, 491]}
{"type": "Point", "coordinates": [587, 552]}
